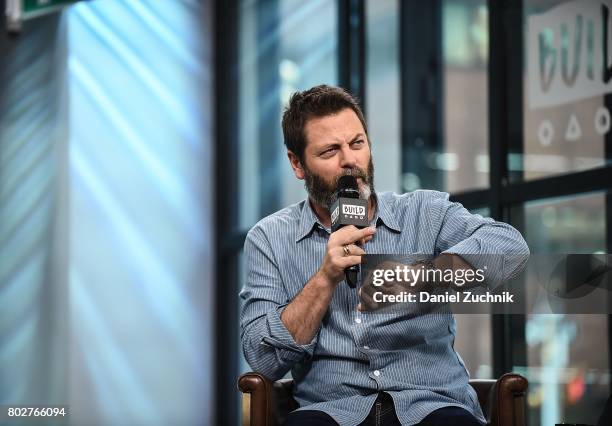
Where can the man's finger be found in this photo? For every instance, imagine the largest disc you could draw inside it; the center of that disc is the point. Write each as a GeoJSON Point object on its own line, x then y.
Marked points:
{"type": "Point", "coordinates": [353, 234]}
{"type": "Point", "coordinates": [356, 250]}
{"type": "Point", "coordinates": [347, 261]}
{"type": "Point", "coordinates": [366, 239]}
{"type": "Point", "coordinates": [351, 250]}
{"type": "Point", "coordinates": [345, 230]}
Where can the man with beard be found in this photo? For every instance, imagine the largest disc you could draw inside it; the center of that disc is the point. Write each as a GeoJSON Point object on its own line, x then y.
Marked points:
{"type": "Point", "coordinates": [352, 367]}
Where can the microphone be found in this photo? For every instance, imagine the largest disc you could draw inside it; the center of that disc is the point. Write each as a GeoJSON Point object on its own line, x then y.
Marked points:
{"type": "Point", "coordinates": [349, 209]}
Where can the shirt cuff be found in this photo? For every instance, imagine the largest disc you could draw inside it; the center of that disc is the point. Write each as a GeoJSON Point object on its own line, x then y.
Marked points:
{"type": "Point", "coordinates": [281, 339]}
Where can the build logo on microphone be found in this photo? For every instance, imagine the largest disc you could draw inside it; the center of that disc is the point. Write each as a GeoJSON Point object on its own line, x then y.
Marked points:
{"type": "Point", "coordinates": [334, 214]}
{"type": "Point", "coordinates": [352, 211]}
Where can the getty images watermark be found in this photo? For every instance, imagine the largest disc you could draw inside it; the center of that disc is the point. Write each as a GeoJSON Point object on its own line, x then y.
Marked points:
{"type": "Point", "coordinates": [427, 275]}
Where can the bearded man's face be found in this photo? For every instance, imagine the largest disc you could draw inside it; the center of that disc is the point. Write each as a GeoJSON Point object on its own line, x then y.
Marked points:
{"type": "Point", "coordinates": [337, 145]}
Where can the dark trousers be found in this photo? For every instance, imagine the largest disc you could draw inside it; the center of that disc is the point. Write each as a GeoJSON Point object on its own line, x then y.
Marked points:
{"type": "Point", "coordinates": [383, 414]}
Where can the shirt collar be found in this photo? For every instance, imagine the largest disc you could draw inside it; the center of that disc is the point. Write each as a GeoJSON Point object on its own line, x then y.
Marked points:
{"type": "Point", "coordinates": [309, 220]}
{"type": "Point", "coordinates": [385, 213]}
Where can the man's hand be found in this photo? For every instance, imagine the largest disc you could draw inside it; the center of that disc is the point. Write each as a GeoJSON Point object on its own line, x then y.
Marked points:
{"type": "Point", "coordinates": [304, 314]}
{"type": "Point", "coordinates": [336, 259]}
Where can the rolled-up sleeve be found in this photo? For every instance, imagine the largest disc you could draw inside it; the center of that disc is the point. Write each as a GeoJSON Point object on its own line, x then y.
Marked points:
{"type": "Point", "coordinates": [494, 247]}
{"type": "Point", "coordinates": [268, 346]}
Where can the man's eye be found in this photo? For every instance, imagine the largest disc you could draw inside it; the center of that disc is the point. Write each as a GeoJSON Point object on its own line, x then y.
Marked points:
{"type": "Point", "coordinates": [328, 151]}
{"type": "Point", "coordinates": [359, 142]}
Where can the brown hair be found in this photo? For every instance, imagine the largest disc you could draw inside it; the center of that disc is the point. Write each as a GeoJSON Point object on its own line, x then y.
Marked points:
{"type": "Point", "coordinates": [316, 102]}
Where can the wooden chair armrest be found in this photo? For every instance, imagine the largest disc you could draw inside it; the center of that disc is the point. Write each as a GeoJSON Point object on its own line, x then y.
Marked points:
{"type": "Point", "coordinates": [507, 401]}
{"type": "Point", "coordinates": [265, 403]}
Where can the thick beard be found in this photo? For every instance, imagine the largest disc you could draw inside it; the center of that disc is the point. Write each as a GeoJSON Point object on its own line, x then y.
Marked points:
{"type": "Point", "coordinates": [324, 193]}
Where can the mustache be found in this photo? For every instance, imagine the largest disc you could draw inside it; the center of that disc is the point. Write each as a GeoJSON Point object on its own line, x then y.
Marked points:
{"type": "Point", "coordinates": [356, 172]}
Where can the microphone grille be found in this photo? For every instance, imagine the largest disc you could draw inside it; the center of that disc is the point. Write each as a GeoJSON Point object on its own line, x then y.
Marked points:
{"type": "Point", "coordinates": [347, 182]}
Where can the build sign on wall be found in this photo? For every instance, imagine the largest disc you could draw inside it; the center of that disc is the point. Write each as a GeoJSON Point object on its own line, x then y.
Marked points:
{"type": "Point", "coordinates": [569, 70]}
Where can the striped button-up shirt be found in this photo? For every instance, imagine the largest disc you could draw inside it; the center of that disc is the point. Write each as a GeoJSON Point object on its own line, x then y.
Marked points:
{"type": "Point", "coordinates": [355, 355]}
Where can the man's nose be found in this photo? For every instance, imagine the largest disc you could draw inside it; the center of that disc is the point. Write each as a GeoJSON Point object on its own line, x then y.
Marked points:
{"type": "Point", "coordinates": [348, 158]}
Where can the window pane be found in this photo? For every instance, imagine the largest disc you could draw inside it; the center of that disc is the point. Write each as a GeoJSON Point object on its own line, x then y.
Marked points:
{"type": "Point", "coordinates": [567, 355]}
{"type": "Point", "coordinates": [566, 115]}
{"type": "Point", "coordinates": [445, 110]}
{"type": "Point", "coordinates": [465, 159]}
{"type": "Point", "coordinates": [474, 344]}
{"type": "Point", "coordinates": [383, 92]}
{"type": "Point", "coordinates": [285, 46]}
{"type": "Point", "coordinates": [483, 211]}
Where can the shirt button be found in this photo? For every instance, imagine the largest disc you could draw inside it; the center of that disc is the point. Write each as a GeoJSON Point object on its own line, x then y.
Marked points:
{"type": "Point", "coordinates": [366, 347]}
{"type": "Point", "coordinates": [376, 373]}
{"type": "Point", "coordinates": [358, 320]}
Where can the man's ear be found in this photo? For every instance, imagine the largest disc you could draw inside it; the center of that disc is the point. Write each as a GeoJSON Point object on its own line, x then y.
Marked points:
{"type": "Point", "coordinates": [296, 165]}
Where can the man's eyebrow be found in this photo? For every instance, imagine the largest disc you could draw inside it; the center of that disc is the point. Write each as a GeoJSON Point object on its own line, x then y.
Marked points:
{"type": "Point", "coordinates": [328, 145]}
{"type": "Point", "coordinates": [336, 144]}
